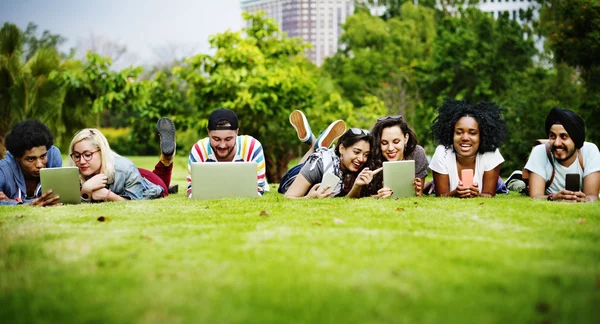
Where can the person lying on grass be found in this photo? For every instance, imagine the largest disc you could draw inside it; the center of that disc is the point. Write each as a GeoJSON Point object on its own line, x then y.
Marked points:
{"type": "Point", "coordinates": [107, 176]}
{"type": "Point", "coordinates": [469, 136]}
{"type": "Point", "coordinates": [30, 148]}
{"type": "Point", "coordinates": [345, 161]}
{"type": "Point", "coordinates": [393, 140]}
{"type": "Point", "coordinates": [570, 155]}
{"type": "Point", "coordinates": [223, 144]}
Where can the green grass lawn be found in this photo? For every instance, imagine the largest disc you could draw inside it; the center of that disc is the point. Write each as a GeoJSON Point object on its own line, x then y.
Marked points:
{"type": "Point", "coordinates": [421, 260]}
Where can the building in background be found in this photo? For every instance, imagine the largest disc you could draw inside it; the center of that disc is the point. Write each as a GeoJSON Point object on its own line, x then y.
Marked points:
{"type": "Point", "coordinates": [318, 22]}
{"type": "Point", "coordinates": [498, 7]}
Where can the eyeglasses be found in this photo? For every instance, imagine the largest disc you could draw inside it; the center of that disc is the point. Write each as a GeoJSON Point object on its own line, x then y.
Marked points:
{"type": "Point", "coordinates": [359, 131]}
{"type": "Point", "coordinates": [87, 155]}
{"type": "Point", "coordinates": [389, 117]}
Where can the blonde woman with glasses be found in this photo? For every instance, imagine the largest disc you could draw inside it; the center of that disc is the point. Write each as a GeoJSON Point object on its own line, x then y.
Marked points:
{"type": "Point", "coordinates": [107, 176]}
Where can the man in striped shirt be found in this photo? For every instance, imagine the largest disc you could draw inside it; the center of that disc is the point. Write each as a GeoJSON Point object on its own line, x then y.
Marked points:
{"type": "Point", "coordinates": [223, 144]}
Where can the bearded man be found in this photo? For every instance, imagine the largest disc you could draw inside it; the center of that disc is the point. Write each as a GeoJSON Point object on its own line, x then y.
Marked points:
{"type": "Point", "coordinates": [566, 153]}
{"type": "Point", "coordinates": [223, 144]}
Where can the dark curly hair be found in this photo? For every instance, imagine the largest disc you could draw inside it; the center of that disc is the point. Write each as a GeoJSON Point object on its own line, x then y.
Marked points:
{"type": "Point", "coordinates": [27, 135]}
{"type": "Point", "coordinates": [492, 128]}
{"type": "Point", "coordinates": [376, 160]}
{"type": "Point", "coordinates": [348, 139]}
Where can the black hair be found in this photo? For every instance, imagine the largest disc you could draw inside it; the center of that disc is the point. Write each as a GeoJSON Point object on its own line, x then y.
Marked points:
{"type": "Point", "coordinates": [492, 128]}
{"type": "Point", "coordinates": [27, 135]}
{"type": "Point", "coordinates": [376, 159]}
{"type": "Point", "coordinates": [348, 139]}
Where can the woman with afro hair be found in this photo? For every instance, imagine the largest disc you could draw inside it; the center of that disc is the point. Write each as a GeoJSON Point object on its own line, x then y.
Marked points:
{"type": "Point", "coordinates": [469, 136]}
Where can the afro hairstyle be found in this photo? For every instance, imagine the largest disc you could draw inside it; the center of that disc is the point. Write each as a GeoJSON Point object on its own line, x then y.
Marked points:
{"type": "Point", "coordinates": [26, 135]}
{"type": "Point", "coordinates": [492, 128]}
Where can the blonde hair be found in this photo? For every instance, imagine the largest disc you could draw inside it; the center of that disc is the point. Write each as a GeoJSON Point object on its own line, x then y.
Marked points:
{"type": "Point", "coordinates": [98, 140]}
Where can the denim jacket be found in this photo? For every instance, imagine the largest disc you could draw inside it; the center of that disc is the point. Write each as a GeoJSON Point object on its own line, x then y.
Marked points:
{"type": "Point", "coordinates": [12, 181]}
{"type": "Point", "coordinates": [129, 183]}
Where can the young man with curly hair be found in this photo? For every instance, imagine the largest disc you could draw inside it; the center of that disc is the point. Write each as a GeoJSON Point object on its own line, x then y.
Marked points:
{"type": "Point", "coordinates": [469, 136]}
{"type": "Point", "coordinates": [30, 148]}
{"type": "Point", "coordinates": [566, 153]}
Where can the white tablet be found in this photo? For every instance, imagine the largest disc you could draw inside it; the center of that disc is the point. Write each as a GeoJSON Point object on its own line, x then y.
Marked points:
{"type": "Point", "coordinates": [399, 176]}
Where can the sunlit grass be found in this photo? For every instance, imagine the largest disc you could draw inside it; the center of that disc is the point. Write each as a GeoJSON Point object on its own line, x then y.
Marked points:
{"type": "Point", "coordinates": [273, 260]}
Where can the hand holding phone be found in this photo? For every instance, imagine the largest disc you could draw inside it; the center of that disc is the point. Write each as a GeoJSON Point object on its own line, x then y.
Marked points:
{"type": "Point", "coordinates": [572, 182]}
{"type": "Point", "coordinates": [466, 177]}
{"type": "Point", "coordinates": [330, 179]}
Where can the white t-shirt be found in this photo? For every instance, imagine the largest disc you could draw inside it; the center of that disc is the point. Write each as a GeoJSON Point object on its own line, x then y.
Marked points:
{"type": "Point", "coordinates": [539, 164]}
{"type": "Point", "coordinates": [444, 162]}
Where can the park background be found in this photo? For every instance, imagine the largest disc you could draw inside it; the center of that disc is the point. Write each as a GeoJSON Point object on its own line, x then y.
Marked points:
{"type": "Point", "coordinates": [275, 260]}
{"type": "Point", "coordinates": [405, 61]}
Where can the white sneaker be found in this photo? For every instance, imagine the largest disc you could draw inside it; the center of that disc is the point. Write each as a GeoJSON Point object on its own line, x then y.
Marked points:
{"type": "Point", "coordinates": [331, 133]}
{"type": "Point", "coordinates": [300, 123]}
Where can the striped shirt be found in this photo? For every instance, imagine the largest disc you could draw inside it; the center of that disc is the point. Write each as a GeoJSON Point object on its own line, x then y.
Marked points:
{"type": "Point", "coordinates": [249, 149]}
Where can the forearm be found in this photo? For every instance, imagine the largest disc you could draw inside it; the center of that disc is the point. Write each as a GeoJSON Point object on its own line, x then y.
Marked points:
{"type": "Point", "coordinates": [452, 193]}
{"type": "Point", "coordinates": [354, 192]}
{"type": "Point", "coordinates": [111, 196]}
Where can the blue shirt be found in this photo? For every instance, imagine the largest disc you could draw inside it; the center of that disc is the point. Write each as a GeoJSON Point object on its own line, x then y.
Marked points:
{"type": "Point", "coordinates": [130, 184]}
{"type": "Point", "coordinates": [12, 181]}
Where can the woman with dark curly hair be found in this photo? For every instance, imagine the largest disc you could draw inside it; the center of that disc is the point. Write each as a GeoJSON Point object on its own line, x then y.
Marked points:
{"type": "Point", "coordinates": [469, 136]}
{"type": "Point", "coordinates": [393, 140]}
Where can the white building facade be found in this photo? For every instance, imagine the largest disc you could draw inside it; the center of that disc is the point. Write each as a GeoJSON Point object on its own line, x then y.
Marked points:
{"type": "Point", "coordinates": [498, 7]}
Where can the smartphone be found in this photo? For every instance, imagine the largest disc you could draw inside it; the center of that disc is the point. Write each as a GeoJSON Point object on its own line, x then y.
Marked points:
{"type": "Point", "coordinates": [330, 179]}
{"type": "Point", "coordinates": [572, 182]}
{"type": "Point", "coordinates": [466, 176]}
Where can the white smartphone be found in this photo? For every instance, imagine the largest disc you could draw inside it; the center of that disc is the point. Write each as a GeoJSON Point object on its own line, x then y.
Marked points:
{"type": "Point", "coordinates": [330, 179]}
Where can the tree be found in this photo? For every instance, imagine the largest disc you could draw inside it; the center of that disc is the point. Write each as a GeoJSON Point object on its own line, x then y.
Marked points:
{"type": "Point", "coordinates": [572, 31]}
{"type": "Point", "coordinates": [46, 40]}
{"type": "Point", "coordinates": [385, 59]}
{"type": "Point", "coordinates": [28, 89]}
{"type": "Point", "coordinates": [526, 105]}
{"type": "Point", "coordinates": [262, 77]}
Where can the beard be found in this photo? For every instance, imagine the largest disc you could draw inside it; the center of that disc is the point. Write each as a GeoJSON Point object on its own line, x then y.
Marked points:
{"type": "Point", "coordinates": [223, 153]}
{"type": "Point", "coordinates": [569, 154]}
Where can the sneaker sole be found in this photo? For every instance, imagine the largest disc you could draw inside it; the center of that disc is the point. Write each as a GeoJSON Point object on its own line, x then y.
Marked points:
{"type": "Point", "coordinates": [336, 131]}
{"type": "Point", "coordinates": [166, 130]}
{"type": "Point", "coordinates": [297, 120]}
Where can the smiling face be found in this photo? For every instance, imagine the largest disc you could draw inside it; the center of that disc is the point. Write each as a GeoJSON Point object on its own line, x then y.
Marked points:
{"type": "Point", "coordinates": [562, 145]}
{"type": "Point", "coordinates": [466, 137]}
{"type": "Point", "coordinates": [83, 149]}
{"type": "Point", "coordinates": [393, 142]}
{"type": "Point", "coordinates": [355, 156]}
{"type": "Point", "coordinates": [32, 161]}
{"type": "Point", "coordinates": [223, 143]}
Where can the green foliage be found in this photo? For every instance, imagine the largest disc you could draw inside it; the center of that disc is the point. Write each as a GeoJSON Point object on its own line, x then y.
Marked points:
{"type": "Point", "coordinates": [572, 29]}
{"type": "Point", "coordinates": [385, 58]}
{"type": "Point", "coordinates": [263, 77]}
{"type": "Point", "coordinates": [46, 40]}
{"type": "Point", "coordinates": [526, 106]}
{"type": "Point", "coordinates": [477, 57]}
{"type": "Point", "coordinates": [28, 89]}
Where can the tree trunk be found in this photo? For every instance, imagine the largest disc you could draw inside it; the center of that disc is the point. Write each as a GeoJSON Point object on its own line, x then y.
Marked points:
{"type": "Point", "coordinates": [2, 147]}
{"type": "Point", "coordinates": [276, 168]}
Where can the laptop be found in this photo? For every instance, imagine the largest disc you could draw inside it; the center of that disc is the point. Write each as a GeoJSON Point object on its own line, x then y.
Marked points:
{"type": "Point", "coordinates": [214, 180]}
{"type": "Point", "coordinates": [399, 176]}
{"type": "Point", "coordinates": [63, 182]}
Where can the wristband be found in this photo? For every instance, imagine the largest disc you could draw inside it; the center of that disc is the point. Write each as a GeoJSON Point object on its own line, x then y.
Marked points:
{"type": "Point", "coordinates": [551, 197]}
{"type": "Point", "coordinates": [107, 194]}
